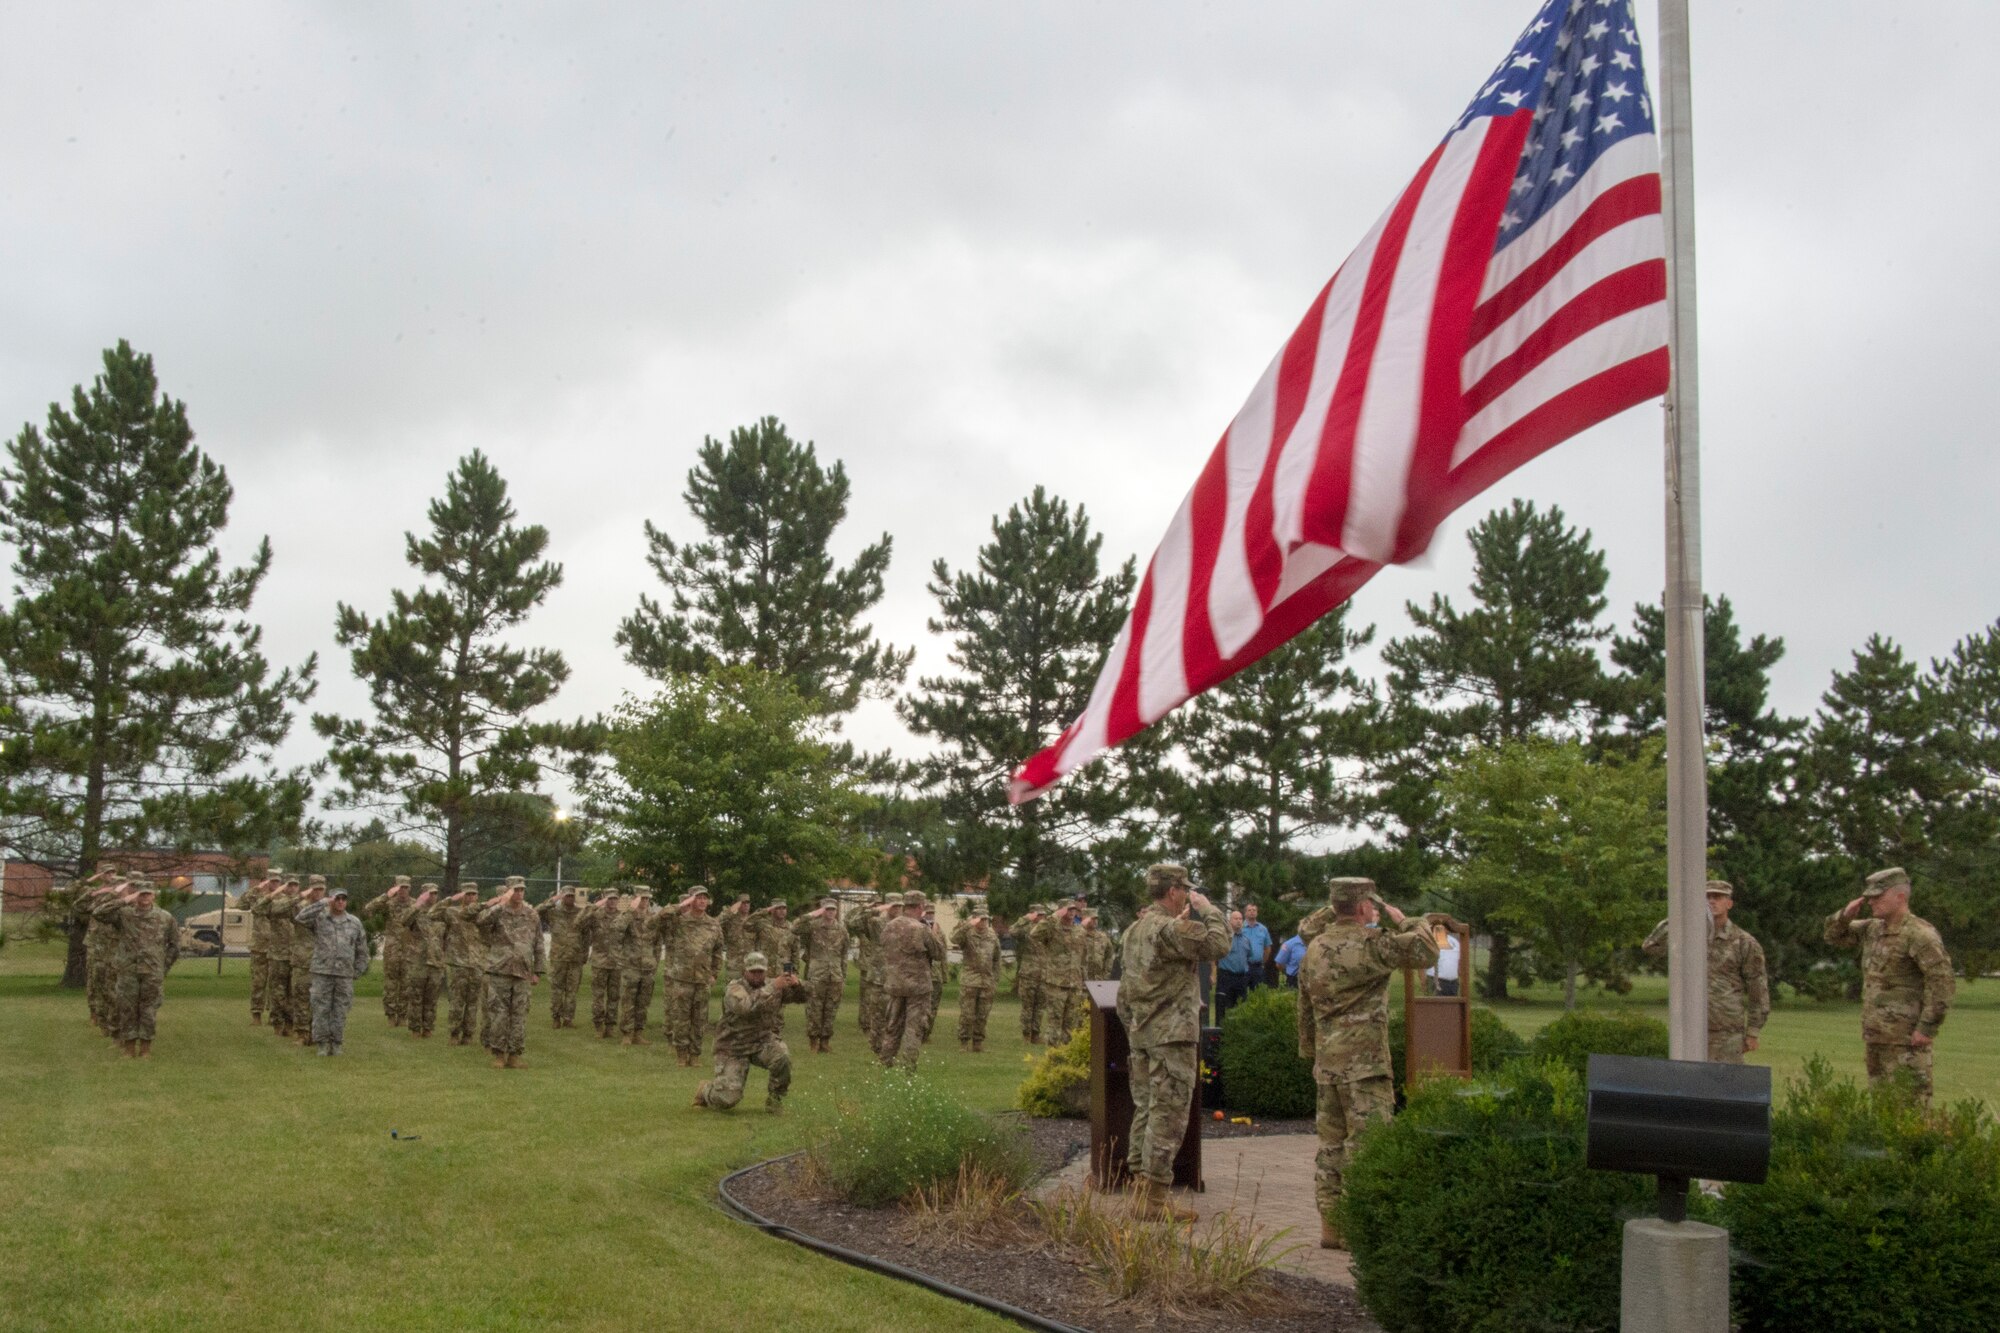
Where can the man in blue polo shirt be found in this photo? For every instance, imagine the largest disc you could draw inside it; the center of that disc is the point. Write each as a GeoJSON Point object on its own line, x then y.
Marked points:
{"type": "Point", "coordinates": [1290, 954]}
{"type": "Point", "coordinates": [1232, 973]}
{"type": "Point", "coordinates": [1259, 936]}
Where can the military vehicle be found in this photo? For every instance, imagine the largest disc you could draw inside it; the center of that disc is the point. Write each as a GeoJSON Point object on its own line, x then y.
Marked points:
{"type": "Point", "coordinates": [225, 929]}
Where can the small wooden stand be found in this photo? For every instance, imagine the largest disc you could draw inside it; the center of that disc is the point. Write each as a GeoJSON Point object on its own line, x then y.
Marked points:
{"type": "Point", "coordinates": [1111, 1099]}
{"type": "Point", "coordinates": [1437, 1029]}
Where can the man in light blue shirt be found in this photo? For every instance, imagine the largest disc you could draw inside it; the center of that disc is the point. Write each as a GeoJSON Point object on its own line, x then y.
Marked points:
{"type": "Point", "coordinates": [1232, 972]}
{"type": "Point", "coordinates": [1290, 954]}
{"type": "Point", "coordinates": [1259, 936]}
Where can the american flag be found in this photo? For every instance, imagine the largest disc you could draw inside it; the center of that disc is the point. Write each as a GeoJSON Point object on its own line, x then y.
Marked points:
{"type": "Point", "coordinates": [1512, 296]}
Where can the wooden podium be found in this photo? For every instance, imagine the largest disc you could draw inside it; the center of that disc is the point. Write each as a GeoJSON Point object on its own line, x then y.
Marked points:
{"type": "Point", "coordinates": [1111, 1099]}
{"type": "Point", "coordinates": [1437, 1029]}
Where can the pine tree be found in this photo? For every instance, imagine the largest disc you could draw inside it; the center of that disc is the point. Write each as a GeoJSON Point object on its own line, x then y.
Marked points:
{"type": "Point", "coordinates": [1264, 753]}
{"type": "Point", "coordinates": [451, 698]}
{"type": "Point", "coordinates": [138, 688]}
{"type": "Point", "coordinates": [1964, 867]}
{"type": "Point", "coordinates": [763, 590]}
{"type": "Point", "coordinates": [1523, 661]}
{"type": "Point", "coordinates": [1029, 627]}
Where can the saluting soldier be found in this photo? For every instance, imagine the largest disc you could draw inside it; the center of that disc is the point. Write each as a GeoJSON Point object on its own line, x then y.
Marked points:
{"type": "Point", "coordinates": [1344, 1025]}
{"type": "Point", "coordinates": [635, 943]}
{"type": "Point", "coordinates": [1099, 952]}
{"type": "Point", "coordinates": [736, 932]}
{"type": "Point", "coordinates": [771, 935]}
{"type": "Point", "coordinates": [822, 941]}
{"type": "Point", "coordinates": [144, 943]}
{"type": "Point", "coordinates": [260, 941]}
{"type": "Point", "coordinates": [563, 918]}
{"type": "Point", "coordinates": [464, 959]}
{"type": "Point", "coordinates": [978, 977]}
{"type": "Point", "coordinates": [397, 946]}
{"type": "Point", "coordinates": [302, 959]}
{"type": "Point", "coordinates": [340, 954]}
{"type": "Point", "coordinates": [277, 909]}
{"type": "Point", "coordinates": [1739, 991]}
{"type": "Point", "coordinates": [693, 960]}
{"type": "Point", "coordinates": [909, 948]}
{"type": "Point", "coordinates": [1160, 1006]}
{"type": "Point", "coordinates": [100, 945]}
{"type": "Point", "coordinates": [598, 923]}
{"type": "Point", "coordinates": [1028, 975]}
{"type": "Point", "coordinates": [874, 983]}
{"type": "Point", "coordinates": [515, 961]}
{"type": "Point", "coordinates": [1906, 979]}
{"type": "Point", "coordinates": [752, 1033]}
{"type": "Point", "coordinates": [424, 962]}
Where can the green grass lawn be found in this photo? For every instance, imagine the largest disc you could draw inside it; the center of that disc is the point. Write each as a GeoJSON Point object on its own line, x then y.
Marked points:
{"type": "Point", "coordinates": [237, 1182]}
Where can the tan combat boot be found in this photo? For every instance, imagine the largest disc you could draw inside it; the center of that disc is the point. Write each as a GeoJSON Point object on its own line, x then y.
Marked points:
{"type": "Point", "coordinates": [145, 1050]}
{"type": "Point", "coordinates": [701, 1095]}
{"type": "Point", "coordinates": [499, 1061]}
{"type": "Point", "coordinates": [129, 1047]}
{"type": "Point", "coordinates": [978, 1048]}
{"type": "Point", "coordinates": [1152, 1200]}
{"type": "Point", "coordinates": [516, 1062]}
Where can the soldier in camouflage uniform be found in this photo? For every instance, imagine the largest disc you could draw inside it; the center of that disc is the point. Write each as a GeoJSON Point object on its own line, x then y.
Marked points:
{"type": "Point", "coordinates": [692, 944]}
{"type": "Point", "coordinates": [424, 963]}
{"type": "Point", "coordinates": [635, 944]}
{"type": "Point", "coordinates": [597, 929]}
{"type": "Point", "coordinates": [302, 958]}
{"type": "Point", "coordinates": [563, 917]}
{"type": "Point", "coordinates": [1344, 1025]}
{"type": "Point", "coordinates": [1099, 952]}
{"type": "Point", "coordinates": [464, 959]}
{"type": "Point", "coordinates": [752, 1033]}
{"type": "Point", "coordinates": [1160, 1006]}
{"type": "Point", "coordinates": [771, 935]}
{"type": "Point", "coordinates": [397, 945]}
{"type": "Point", "coordinates": [100, 944]}
{"type": "Point", "coordinates": [1028, 975]}
{"type": "Point", "coordinates": [340, 954]}
{"type": "Point", "coordinates": [1906, 979]}
{"type": "Point", "coordinates": [144, 943]}
{"type": "Point", "coordinates": [909, 949]}
{"type": "Point", "coordinates": [260, 941]}
{"type": "Point", "coordinates": [515, 961]}
{"type": "Point", "coordinates": [276, 911]}
{"type": "Point", "coordinates": [940, 970]}
{"type": "Point", "coordinates": [1739, 991]}
{"type": "Point", "coordinates": [1059, 946]}
{"type": "Point", "coordinates": [865, 924]}
{"type": "Point", "coordinates": [736, 933]}
{"type": "Point", "coordinates": [978, 976]}
{"type": "Point", "coordinates": [822, 943]}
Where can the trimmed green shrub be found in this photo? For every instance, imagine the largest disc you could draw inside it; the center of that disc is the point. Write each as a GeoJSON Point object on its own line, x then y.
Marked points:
{"type": "Point", "coordinates": [1472, 1210]}
{"type": "Point", "coordinates": [1876, 1215]}
{"type": "Point", "coordinates": [1493, 1043]}
{"type": "Point", "coordinates": [1572, 1039]}
{"type": "Point", "coordinates": [1059, 1084]}
{"type": "Point", "coordinates": [904, 1133]}
{"type": "Point", "coordinates": [1262, 1073]}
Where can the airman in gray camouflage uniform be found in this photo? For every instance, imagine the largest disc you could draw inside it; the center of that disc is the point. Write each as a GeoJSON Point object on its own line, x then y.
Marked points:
{"type": "Point", "coordinates": [515, 961]}
{"type": "Point", "coordinates": [752, 1033]}
{"type": "Point", "coordinates": [144, 943]}
{"type": "Point", "coordinates": [1160, 1006]}
{"type": "Point", "coordinates": [1739, 990]}
{"type": "Point", "coordinates": [563, 917]}
{"type": "Point", "coordinates": [978, 977]}
{"type": "Point", "coordinates": [339, 955]}
{"type": "Point", "coordinates": [464, 959]}
{"type": "Point", "coordinates": [692, 941]}
{"type": "Point", "coordinates": [1906, 979]}
{"type": "Point", "coordinates": [423, 962]}
{"type": "Point", "coordinates": [822, 942]}
{"type": "Point", "coordinates": [1344, 1024]}
{"type": "Point", "coordinates": [909, 949]}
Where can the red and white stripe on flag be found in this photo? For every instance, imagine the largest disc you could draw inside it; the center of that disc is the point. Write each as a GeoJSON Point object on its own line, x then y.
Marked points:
{"type": "Point", "coordinates": [1511, 297]}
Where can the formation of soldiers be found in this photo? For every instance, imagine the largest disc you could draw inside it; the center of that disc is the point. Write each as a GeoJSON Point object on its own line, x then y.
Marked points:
{"type": "Point", "coordinates": [1060, 948]}
{"type": "Point", "coordinates": [129, 944]}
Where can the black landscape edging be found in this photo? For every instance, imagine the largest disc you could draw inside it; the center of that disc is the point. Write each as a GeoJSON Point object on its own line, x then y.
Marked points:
{"type": "Point", "coordinates": [869, 1261]}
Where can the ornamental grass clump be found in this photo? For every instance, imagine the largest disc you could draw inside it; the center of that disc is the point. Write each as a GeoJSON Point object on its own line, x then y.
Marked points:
{"type": "Point", "coordinates": [887, 1141]}
{"type": "Point", "coordinates": [1159, 1264]}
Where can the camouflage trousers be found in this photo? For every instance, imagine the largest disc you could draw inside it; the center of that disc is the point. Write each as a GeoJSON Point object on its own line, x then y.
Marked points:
{"type": "Point", "coordinates": [1030, 991]}
{"type": "Point", "coordinates": [635, 999]}
{"type": "Point", "coordinates": [1059, 1007]}
{"type": "Point", "coordinates": [974, 1007]}
{"type": "Point", "coordinates": [565, 976]}
{"type": "Point", "coordinates": [1162, 1093]}
{"type": "Point", "coordinates": [331, 998]}
{"type": "Point", "coordinates": [937, 1002]}
{"type": "Point", "coordinates": [135, 1004]}
{"type": "Point", "coordinates": [823, 996]}
{"type": "Point", "coordinates": [422, 985]}
{"type": "Point", "coordinates": [603, 998]}
{"type": "Point", "coordinates": [505, 1031]}
{"type": "Point", "coordinates": [685, 1020]}
{"type": "Point", "coordinates": [302, 979]}
{"type": "Point", "coordinates": [1725, 1047]}
{"type": "Point", "coordinates": [732, 1071]}
{"type": "Point", "coordinates": [900, 1040]}
{"type": "Point", "coordinates": [1886, 1060]}
{"type": "Point", "coordinates": [466, 984]}
{"type": "Point", "coordinates": [278, 994]}
{"type": "Point", "coordinates": [98, 988]}
{"type": "Point", "coordinates": [260, 980]}
{"type": "Point", "coordinates": [874, 1006]}
{"type": "Point", "coordinates": [1346, 1107]}
{"type": "Point", "coordinates": [395, 985]}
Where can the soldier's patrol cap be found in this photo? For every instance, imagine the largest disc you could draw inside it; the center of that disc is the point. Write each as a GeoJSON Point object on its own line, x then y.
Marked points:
{"type": "Point", "coordinates": [828, 902]}
{"type": "Point", "coordinates": [521, 880]}
{"type": "Point", "coordinates": [1719, 888]}
{"type": "Point", "coordinates": [428, 887]}
{"type": "Point", "coordinates": [1879, 883]}
{"type": "Point", "coordinates": [913, 898]}
{"type": "Point", "coordinates": [274, 873]}
{"type": "Point", "coordinates": [774, 904]}
{"type": "Point", "coordinates": [570, 889]}
{"type": "Point", "coordinates": [756, 962]}
{"type": "Point", "coordinates": [1166, 875]}
{"type": "Point", "coordinates": [643, 890]}
{"type": "Point", "coordinates": [141, 883]}
{"type": "Point", "coordinates": [1349, 890]}
{"type": "Point", "coordinates": [316, 881]}
{"type": "Point", "coordinates": [468, 884]}
{"type": "Point", "coordinates": [402, 881]}
{"type": "Point", "coordinates": [338, 893]}
{"type": "Point", "coordinates": [292, 880]}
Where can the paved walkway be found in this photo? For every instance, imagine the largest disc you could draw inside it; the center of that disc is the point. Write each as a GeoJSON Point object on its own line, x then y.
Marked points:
{"type": "Point", "coordinates": [1268, 1178]}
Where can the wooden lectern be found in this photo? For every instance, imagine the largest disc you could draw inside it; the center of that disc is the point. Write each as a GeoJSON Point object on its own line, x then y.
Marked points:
{"type": "Point", "coordinates": [1111, 1099]}
{"type": "Point", "coordinates": [1437, 1029]}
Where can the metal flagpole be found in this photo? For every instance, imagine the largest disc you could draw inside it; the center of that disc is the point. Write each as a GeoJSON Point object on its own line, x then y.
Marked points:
{"type": "Point", "coordinates": [1687, 777]}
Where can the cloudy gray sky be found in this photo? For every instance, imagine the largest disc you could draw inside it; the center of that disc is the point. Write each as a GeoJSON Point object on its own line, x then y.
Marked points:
{"type": "Point", "coordinates": [967, 249]}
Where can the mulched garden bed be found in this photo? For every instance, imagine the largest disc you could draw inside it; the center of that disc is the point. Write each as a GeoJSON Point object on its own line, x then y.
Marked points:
{"type": "Point", "coordinates": [1036, 1280]}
